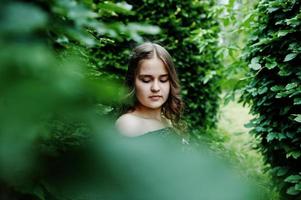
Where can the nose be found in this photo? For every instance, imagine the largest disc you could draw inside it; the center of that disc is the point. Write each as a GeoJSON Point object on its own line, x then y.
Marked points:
{"type": "Point", "coordinates": [155, 87]}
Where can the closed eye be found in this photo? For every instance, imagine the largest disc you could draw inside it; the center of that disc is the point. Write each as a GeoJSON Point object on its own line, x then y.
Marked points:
{"type": "Point", "coordinates": [145, 80]}
{"type": "Point", "coordinates": [164, 80]}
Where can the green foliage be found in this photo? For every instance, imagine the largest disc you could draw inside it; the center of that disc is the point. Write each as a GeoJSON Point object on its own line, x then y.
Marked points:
{"type": "Point", "coordinates": [240, 153]}
{"type": "Point", "coordinates": [44, 154]}
{"type": "Point", "coordinates": [54, 141]}
{"type": "Point", "coordinates": [233, 143]}
{"type": "Point", "coordinates": [189, 32]}
{"type": "Point", "coordinates": [274, 91]}
{"type": "Point", "coordinates": [235, 18]}
{"type": "Point", "coordinates": [47, 104]}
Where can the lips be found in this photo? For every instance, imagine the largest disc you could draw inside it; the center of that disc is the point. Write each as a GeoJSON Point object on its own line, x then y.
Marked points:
{"type": "Point", "coordinates": [155, 97]}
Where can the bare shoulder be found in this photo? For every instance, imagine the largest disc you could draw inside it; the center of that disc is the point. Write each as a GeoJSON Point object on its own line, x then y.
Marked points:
{"type": "Point", "coordinates": [128, 124]}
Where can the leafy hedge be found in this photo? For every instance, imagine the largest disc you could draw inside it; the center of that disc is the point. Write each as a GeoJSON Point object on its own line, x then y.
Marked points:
{"type": "Point", "coordinates": [274, 56]}
{"type": "Point", "coordinates": [54, 144]}
{"type": "Point", "coordinates": [189, 32]}
{"type": "Point", "coordinates": [48, 105]}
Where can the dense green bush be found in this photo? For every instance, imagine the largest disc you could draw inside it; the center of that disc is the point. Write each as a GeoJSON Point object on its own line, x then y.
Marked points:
{"type": "Point", "coordinates": [48, 105]}
{"type": "Point", "coordinates": [53, 142]}
{"type": "Point", "coordinates": [189, 32]}
{"type": "Point", "coordinates": [235, 17]}
{"type": "Point", "coordinates": [54, 145]}
{"type": "Point", "coordinates": [274, 89]}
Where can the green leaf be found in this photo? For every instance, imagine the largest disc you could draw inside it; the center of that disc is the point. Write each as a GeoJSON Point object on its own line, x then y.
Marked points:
{"type": "Point", "coordinates": [292, 191]}
{"type": "Point", "coordinates": [122, 8]}
{"type": "Point", "coordinates": [293, 179]}
{"type": "Point", "coordinates": [297, 101]}
{"type": "Point", "coordinates": [271, 136]}
{"type": "Point", "coordinates": [249, 125]}
{"type": "Point", "coordinates": [277, 88]}
{"type": "Point", "coordinates": [298, 118]}
{"type": "Point", "coordinates": [291, 134]}
{"type": "Point", "coordinates": [298, 186]}
{"type": "Point", "coordinates": [283, 33]}
{"type": "Point", "coordinates": [209, 75]}
{"type": "Point", "coordinates": [281, 171]}
{"type": "Point", "coordinates": [295, 21]}
{"type": "Point", "coordinates": [247, 18]}
{"type": "Point", "coordinates": [273, 9]}
{"type": "Point", "coordinates": [271, 65]}
{"type": "Point", "coordinates": [262, 90]}
{"type": "Point", "coordinates": [281, 95]}
{"type": "Point", "coordinates": [294, 154]}
{"type": "Point", "coordinates": [23, 17]}
{"type": "Point", "coordinates": [254, 64]}
{"type": "Point", "coordinates": [294, 94]}
{"type": "Point", "coordinates": [291, 86]}
{"type": "Point", "coordinates": [284, 72]}
{"type": "Point", "coordinates": [289, 57]}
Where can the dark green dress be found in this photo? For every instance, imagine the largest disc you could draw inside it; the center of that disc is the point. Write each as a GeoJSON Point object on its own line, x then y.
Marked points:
{"type": "Point", "coordinates": [166, 133]}
{"type": "Point", "coordinates": [163, 131]}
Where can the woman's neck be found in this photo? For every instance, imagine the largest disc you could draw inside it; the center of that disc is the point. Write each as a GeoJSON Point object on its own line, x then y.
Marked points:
{"type": "Point", "coordinates": [148, 113]}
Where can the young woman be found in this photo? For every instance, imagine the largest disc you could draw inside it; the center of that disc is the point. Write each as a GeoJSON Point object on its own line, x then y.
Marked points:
{"type": "Point", "coordinates": [154, 89]}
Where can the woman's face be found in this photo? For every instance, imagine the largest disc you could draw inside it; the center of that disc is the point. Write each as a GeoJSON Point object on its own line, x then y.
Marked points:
{"type": "Point", "coordinates": [152, 83]}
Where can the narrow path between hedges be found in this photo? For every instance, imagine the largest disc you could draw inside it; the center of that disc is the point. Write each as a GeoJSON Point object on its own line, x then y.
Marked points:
{"type": "Point", "coordinates": [239, 146]}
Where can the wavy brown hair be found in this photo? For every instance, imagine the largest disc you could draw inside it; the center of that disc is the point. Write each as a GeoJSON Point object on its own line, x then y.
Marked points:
{"type": "Point", "coordinates": [172, 108]}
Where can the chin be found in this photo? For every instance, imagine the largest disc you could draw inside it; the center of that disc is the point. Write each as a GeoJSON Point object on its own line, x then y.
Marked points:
{"type": "Point", "coordinates": [154, 105]}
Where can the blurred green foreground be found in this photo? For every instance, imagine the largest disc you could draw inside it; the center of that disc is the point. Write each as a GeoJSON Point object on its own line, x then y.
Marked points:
{"type": "Point", "coordinates": [55, 142]}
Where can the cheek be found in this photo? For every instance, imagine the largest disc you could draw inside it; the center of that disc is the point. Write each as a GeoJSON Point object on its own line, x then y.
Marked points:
{"type": "Point", "coordinates": [141, 89]}
{"type": "Point", "coordinates": [166, 89]}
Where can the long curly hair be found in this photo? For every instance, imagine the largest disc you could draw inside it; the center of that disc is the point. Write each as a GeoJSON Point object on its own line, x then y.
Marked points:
{"type": "Point", "coordinates": [173, 107]}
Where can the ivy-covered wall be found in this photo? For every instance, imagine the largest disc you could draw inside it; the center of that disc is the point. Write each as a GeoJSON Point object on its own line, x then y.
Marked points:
{"type": "Point", "coordinates": [189, 32]}
{"type": "Point", "coordinates": [274, 56]}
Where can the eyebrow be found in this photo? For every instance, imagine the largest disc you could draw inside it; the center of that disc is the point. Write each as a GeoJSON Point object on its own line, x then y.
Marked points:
{"type": "Point", "coordinates": [147, 75]}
